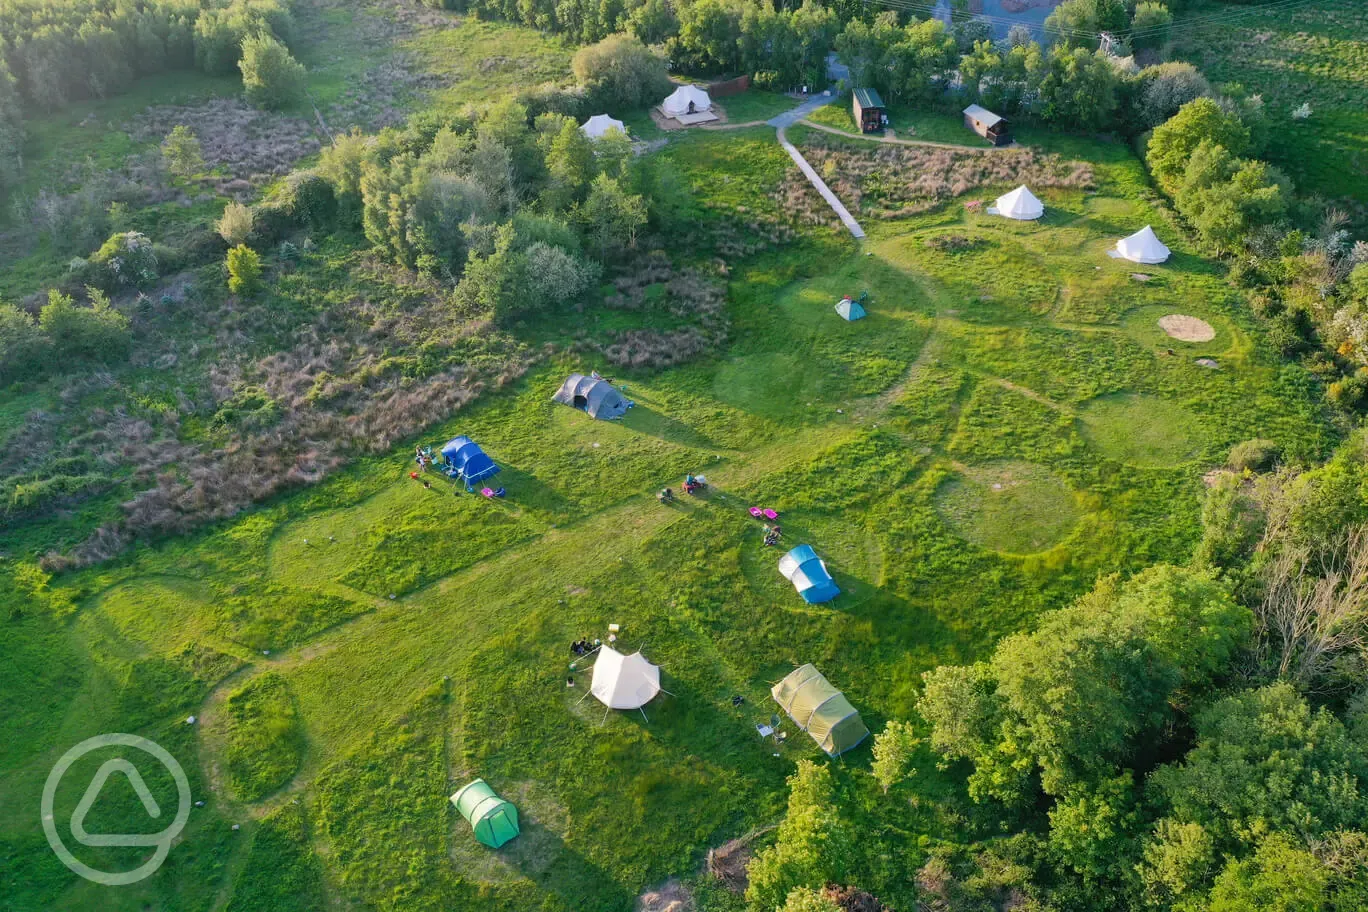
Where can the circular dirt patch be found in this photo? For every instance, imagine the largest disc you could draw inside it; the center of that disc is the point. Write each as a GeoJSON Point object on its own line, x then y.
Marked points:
{"type": "Point", "coordinates": [1142, 431]}
{"type": "Point", "coordinates": [1187, 329]}
{"type": "Point", "coordinates": [1013, 507]}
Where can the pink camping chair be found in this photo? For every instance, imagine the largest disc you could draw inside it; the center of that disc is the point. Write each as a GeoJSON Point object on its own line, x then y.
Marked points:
{"type": "Point", "coordinates": [770, 514]}
{"type": "Point", "coordinates": [755, 511]}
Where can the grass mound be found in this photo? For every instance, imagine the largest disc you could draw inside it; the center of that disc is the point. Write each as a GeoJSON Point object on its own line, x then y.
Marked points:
{"type": "Point", "coordinates": [1142, 431]}
{"type": "Point", "coordinates": [1014, 507]}
{"type": "Point", "coordinates": [1179, 327]}
{"type": "Point", "coordinates": [265, 738]}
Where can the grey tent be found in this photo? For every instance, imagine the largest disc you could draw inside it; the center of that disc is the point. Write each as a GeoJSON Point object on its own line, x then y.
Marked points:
{"type": "Point", "coordinates": [594, 395]}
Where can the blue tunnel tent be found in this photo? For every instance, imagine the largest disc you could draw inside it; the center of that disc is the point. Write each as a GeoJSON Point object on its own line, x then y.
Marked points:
{"type": "Point", "coordinates": [596, 396]}
{"type": "Point", "coordinates": [809, 575]}
{"type": "Point", "coordinates": [465, 460]}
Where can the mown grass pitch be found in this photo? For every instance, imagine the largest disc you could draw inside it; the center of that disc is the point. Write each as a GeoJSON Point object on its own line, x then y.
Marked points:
{"type": "Point", "coordinates": [1022, 362]}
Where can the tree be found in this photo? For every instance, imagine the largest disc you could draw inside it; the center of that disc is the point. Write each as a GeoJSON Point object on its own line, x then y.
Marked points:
{"type": "Point", "coordinates": [1093, 830]}
{"type": "Point", "coordinates": [570, 163]}
{"type": "Point", "coordinates": [612, 217]}
{"type": "Point", "coordinates": [99, 332]}
{"type": "Point", "coordinates": [1174, 141]}
{"type": "Point", "coordinates": [553, 277]}
{"type": "Point", "coordinates": [182, 151]}
{"type": "Point", "coordinates": [802, 899]}
{"type": "Point", "coordinates": [244, 270]}
{"type": "Point", "coordinates": [271, 77]}
{"type": "Point", "coordinates": [11, 131]}
{"type": "Point", "coordinates": [1225, 199]}
{"type": "Point", "coordinates": [653, 21]}
{"type": "Point", "coordinates": [813, 845]}
{"type": "Point", "coordinates": [1280, 877]}
{"type": "Point", "coordinates": [490, 284]}
{"type": "Point", "coordinates": [1072, 701]}
{"type": "Point", "coordinates": [23, 346]}
{"type": "Point", "coordinates": [920, 59]}
{"type": "Point", "coordinates": [1076, 23]}
{"type": "Point", "coordinates": [621, 72]}
{"type": "Point", "coordinates": [894, 748]}
{"type": "Point", "coordinates": [1002, 80]}
{"type": "Point", "coordinates": [1079, 89]}
{"type": "Point", "coordinates": [1150, 24]}
{"type": "Point", "coordinates": [235, 224]}
{"type": "Point", "coordinates": [1165, 88]}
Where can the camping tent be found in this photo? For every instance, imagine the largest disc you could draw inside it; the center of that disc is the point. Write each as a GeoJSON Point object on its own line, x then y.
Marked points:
{"type": "Point", "coordinates": [493, 820]}
{"type": "Point", "coordinates": [820, 710]}
{"type": "Point", "coordinates": [809, 575]}
{"type": "Point", "coordinates": [624, 681]}
{"type": "Point", "coordinates": [1142, 247]}
{"type": "Point", "coordinates": [679, 101]}
{"type": "Point", "coordinates": [598, 125]}
{"type": "Point", "coordinates": [1020, 204]}
{"type": "Point", "coordinates": [467, 460]}
{"type": "Point", "coordinates": [592, 394]}
{"type": "Point", "coordinates": [849, 308]}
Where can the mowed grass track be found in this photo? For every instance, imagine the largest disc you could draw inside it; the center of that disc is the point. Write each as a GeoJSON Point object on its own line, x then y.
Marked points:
{"type": "Point", "coordinates": [879, 441]}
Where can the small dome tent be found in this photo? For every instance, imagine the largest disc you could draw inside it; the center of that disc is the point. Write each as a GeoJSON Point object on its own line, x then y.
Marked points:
{"type": "Point", "coordinates": [624, 681]}
{"type": "Point", "coordinates": [687, 99]}
{"type": "Point", "coordinates": [820, 709]}
{"type": "Point", "coordinates": [850, 309]}
{"type": "Point", "coordinates": [809, 575]}
{"type": "Point", "coordinates": [594, 395]}
{"type": "Point", "coordinates": [493, 820]}
{"type": "Point", "coordinates": [467, 461]}
{"type": "Point", "coordinates": [600, 124]}
{"type": "Point", "coordinates": [1142, 247]}
{"type": "Point", "coordinates": [1021, 204]}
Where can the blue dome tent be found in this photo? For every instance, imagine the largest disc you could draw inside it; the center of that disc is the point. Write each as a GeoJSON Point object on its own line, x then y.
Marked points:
{"type": "Point", "coordinates": [465, 460]}
{"type": "Point", "coordinates": [850, 309]}
{"type": "Point", "coordinates": [809, 575]}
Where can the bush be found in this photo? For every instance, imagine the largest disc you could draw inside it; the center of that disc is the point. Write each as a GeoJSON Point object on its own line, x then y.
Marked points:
{"type": "Point", "coordinates": [99, 332]}
{"type": "Point", "coordinates": [621, 72]}
{"type": "Point", "coordinates": [1150, 24]}
{"type": "Point", "coordinates": [235, 224]}
{"type": "Point", "coordinates": [271, 221]}
{"type": "Point", "coordinates": [127, 259]}
{"type": "Point", "coordinates": [271, 77]}
{"type": "Point", "coordinates": [182, 152]}
{"type": "Point", "coordinates": [23, 347]}
{"type": "Point", "coordinates": [310, 200]}
{"type": "Point", "coordinates": [244, 270]}
{"type": "Point", "coordinates": [1165, 88]}
{"type": "Point", "coordinates": [1257, 455]}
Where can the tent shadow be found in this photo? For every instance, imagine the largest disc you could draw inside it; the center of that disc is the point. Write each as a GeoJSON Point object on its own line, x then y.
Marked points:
{"type": "Point", "coordinates": [531, 493]}
{"type": "Point", "coordinates": [643, 419]}
{"type": "Point", "coordinates": [543, 857]}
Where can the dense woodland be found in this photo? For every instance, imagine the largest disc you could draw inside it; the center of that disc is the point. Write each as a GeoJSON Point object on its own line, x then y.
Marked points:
{"type": "Point", "coordinates": [1191, 738]}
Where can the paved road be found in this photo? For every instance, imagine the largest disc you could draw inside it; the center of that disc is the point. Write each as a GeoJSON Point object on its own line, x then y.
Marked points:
{"type": "Point", "coordinates": [793, 115]}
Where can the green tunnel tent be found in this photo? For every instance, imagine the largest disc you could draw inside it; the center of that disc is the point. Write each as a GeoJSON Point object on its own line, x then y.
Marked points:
{"type": "Point", "coordinates": [493, 820]}
{"type": "Point", "coordinates": [820, 710]}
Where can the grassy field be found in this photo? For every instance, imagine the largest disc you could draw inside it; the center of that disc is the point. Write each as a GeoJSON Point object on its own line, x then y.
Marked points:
{"type": "Point", "coordinates": [1005, 426]}
{"type": "Point", "coordinates": [1315, 54]}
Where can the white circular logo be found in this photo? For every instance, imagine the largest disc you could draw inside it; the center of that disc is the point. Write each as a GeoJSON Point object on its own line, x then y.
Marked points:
{"type": "Point", "coordinates": [161, 840]}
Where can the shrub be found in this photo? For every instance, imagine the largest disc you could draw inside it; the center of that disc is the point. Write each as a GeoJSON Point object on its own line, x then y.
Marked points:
{"type": "Point", "coordinates": [235, 224]}
{"type": "Point", "coordinates": [23, 347]}
{"type": "Point", "coordinates": [99, 332]}
{"type": "Point", "coordinates": [1150, 24]}
{"type": "Point", "coordinates": [182, 152]}
{"type": "Point", "coordinates": [271, 77]}
{"type": "Point", "coordinates": [1257, 455]}
{"type": "Point", "coordinates": [620, 71]}
{"type": "Point", "coordinates": [126, 259]}
{"type": "Point", "coordinates": [1165, 88]}
{"type": "Point", "coordinates": [1198, 121]}
{"type": "Point", "coordinates": [310, 200]}
{"type": "Point", "coordinates": [244, 270]}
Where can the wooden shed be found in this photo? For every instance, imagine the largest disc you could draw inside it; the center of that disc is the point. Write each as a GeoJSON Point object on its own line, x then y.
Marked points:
{"type": "Point", "coordinates": [868, 110]}
{"type": "Point", "coordinates": [990, 126]}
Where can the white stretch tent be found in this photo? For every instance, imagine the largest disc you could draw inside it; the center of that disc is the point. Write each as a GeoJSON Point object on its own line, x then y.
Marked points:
{"type": "Point", "coordinates": [624, 681]}
{"type": "Point", "coordinates": [596, 126]}
{"type": "Point", "coordinates": [679, 100]}
{"type": "Point", "coordinates": [1020, 204]}
{"type": "Point", "coordinates": [1142, 247]}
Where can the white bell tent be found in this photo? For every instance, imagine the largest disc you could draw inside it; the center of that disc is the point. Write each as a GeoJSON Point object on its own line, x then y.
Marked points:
{"type": "Point", "coordinates": [685, 100]}
{"type": "Point", "coordinates": [1021, 204]}
{"type": "Point", "coordinates": [1142, 247]}
{"type": "Point", "coordinates": [624, 681]}
{"type": "Point", "coordinates": [599, 125]}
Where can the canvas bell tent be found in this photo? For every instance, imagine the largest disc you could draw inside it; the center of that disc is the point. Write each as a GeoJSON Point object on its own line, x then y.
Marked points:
{"type": "Point", "coordinates": [809, 575]}
{"type": "Point", "coordinates": [600, 125]}
{"type": "Point", "coordinates": [685, 100]}
{"type": "Point", "coordinates": [1021, 204]}
{"type": "Point", "coordinates": [593, 395]}
{"type": "Point", "coordinates": [820, 710]}
{"type": "Point", "coordinates": [849, 308]}
{"type": "Point", "coordinates": [465, 460]}
{"type": "Point", "coordinates": [493, 820]}
{"type": "Point", "coordinates": [1142, 247]}
{"type": "Point", "coordinates": [624, 681]}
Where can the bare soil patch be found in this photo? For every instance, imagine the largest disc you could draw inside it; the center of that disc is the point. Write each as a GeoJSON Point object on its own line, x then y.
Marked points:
{"type": "Point", "coordinates": [672, 896]}
{"type": "Point", "coordinates": [1187, 329]}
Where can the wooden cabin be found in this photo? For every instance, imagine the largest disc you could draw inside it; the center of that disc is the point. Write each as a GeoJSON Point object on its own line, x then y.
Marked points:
{"type": "Point", "coordinates": [990, 126]}
{"type": "Point", "coordinates": [868, 110]}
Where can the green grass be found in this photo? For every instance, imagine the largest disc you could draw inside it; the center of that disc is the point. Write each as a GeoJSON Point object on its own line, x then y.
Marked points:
{"type": "Point", "coordinates": [1315, 54]}
{"type": "Point", "coordinates": [755, 104]}
{"type": "Point", "coordinates": [479, 61]}
{"type": "Point", "coordinates": [1025, 361]}
{"type": "Point", "coordinates": [1014, 507]}
{"type": "Point", "coordinates": [265, 742]}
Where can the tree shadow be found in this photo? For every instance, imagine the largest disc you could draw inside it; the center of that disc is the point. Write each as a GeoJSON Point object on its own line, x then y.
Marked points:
{"type": "Point", "coordinates": [543, 857]}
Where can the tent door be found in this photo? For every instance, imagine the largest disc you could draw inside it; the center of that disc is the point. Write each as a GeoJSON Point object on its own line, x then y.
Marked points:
{"type": "Point", "coordinates": [581, 402]}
